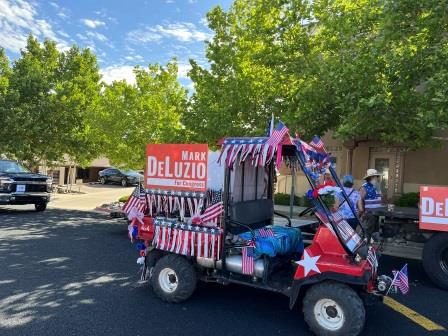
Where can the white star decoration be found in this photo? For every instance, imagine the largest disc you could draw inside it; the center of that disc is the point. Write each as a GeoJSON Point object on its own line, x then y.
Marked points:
{"type": "Point", "coordinates": [309, 263]}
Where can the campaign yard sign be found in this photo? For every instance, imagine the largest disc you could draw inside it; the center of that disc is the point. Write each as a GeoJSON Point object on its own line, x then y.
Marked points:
{"type": "Point", "coordinates": [434, 208]}
{"type": "Point", "coordinates": [176, 167]}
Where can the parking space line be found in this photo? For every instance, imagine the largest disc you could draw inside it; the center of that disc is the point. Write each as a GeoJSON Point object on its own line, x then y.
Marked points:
{"type": "Point", "coordinates": [412, 315]}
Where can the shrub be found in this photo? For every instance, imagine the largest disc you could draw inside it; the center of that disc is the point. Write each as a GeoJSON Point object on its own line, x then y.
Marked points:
{"type": "Point", "coordinates": [408, 200]}
{"type": "Point", "coordinates": [305, 201]}
{"type": "Point", "coordinates": [284, 199]}
{"type": "Point", "coordinates": [123, 198]}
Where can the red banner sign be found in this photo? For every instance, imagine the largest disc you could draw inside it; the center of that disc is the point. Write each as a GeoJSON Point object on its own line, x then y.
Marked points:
{"type": "Point", "coordinates": [176, 167]}
{"type": "Point", "coordinates": [434, 208]}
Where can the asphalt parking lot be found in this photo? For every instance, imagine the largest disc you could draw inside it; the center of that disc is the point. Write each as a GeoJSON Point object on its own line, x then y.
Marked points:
{"type": "Point", "coordinates": [74, 273]}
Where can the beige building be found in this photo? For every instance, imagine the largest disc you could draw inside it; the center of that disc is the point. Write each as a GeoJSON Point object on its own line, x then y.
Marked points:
{"type": "Point", "coordinates": [65, 173]}
{"type": "Point", "coordinates": [403, 170]}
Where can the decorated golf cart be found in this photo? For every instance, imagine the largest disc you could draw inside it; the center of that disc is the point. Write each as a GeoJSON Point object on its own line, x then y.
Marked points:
{"type": "Point", "coordinates": [213, 219]}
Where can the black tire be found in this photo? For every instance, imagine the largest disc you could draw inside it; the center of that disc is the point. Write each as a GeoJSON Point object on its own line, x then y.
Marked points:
{"type": "Point", "coordinates": [151, 259]}
{"type": "Point", "coordinates": [343, 310]}
{"type": "Point", "coordinates": [124, 182]}
{"type": "Point", "coordinates": [103, 180]}
{"type": "Point", "coordinates": [435, 259]}
{"type": "Point", "coordinates": [40, 206]}
{"type": "Point", "coordinates": [184, 277]}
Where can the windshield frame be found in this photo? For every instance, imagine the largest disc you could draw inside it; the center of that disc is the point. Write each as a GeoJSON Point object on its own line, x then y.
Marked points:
{"type": "Point", "coordinates": [19, 168]}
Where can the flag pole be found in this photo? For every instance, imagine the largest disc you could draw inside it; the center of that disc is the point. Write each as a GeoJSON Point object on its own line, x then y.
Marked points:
{"type": "Point", "coordinates": [392, 283]}
{"type": "Point", "coordinates": [396, 274]}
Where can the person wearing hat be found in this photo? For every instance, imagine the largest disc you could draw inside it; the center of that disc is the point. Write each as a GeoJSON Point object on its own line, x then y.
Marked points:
{"type": "Point", "coordinates": [355, 201]}
{"type": "Point", "coordinates": [371, 199]}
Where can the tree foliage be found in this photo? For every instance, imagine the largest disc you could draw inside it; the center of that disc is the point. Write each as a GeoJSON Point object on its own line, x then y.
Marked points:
{"type": "Point", "coordinates": [132, 116]}
{"type": "Point", "coordinates": [54, 108]}
{"type": "Point", "coordinates": [46, 104]}
{"type": "Point", "coordinates": [364, 69]}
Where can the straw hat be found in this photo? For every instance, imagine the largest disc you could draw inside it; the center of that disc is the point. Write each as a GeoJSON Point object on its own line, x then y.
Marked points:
{"type": "Point", "coordinates": [371, 172]}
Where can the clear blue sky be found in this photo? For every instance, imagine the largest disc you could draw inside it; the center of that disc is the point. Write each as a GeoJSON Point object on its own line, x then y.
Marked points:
{"type": "Point", "coordinates": [122, 33]}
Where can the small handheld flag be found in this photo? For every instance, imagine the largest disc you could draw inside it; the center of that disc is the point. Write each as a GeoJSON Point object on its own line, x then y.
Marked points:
{"type": "Point", "coordinates": [317, 143]}
{"type": "Point", "coordinates": [401, 280]}
{"type": "Point", "coordinates": [248, 258]}
{"type": "Point", "coordinates": [137, 200]}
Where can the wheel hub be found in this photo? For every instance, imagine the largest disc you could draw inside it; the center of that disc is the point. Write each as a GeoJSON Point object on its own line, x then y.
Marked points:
{"type": "Point", "coordinates": [331, 311]}
{"type": "Point", "coordinates": [168, 280]}
{"type": "Point", "coordinates": [329, 314]}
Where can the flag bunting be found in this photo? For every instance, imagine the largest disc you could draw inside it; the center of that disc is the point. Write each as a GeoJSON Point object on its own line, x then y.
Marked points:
{"type": "Point", "coordinates": [256, 150]}
{"type": "Point", "coordinates": [189, 240]}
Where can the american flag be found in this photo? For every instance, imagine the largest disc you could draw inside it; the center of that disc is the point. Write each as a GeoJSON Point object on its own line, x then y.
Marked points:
{"type": "Point", "coordinates": [372, 259]}
{"type": "Point", "coordinates": [214, 209]}
{"type": "Point", "coordinates": [212, 213]}
{"type": "Point", "coordinates": [137, 200]}
{"type": "Point", "coordinates": [401, 279]}
{"type": "Point", "coordinates": [214, 196]}
{"type": "Point", "coordinates": [317, 143]}
{"type": "Point", "coordinates": [248, 258]}
{"type": "Point", "coordinates": [278, 134]}
{"type": "Point", "coordinates": [337, 217]}
{"type": "Point", "coordinates": [266, 232]}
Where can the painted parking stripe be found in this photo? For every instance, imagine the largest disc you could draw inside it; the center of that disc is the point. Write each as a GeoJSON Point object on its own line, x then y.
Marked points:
{"type": "Point", "coordinates": [412, 315]}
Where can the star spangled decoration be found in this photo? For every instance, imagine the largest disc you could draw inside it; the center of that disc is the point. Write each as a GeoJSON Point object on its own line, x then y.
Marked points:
{"type": "Point", "coordinates": [164, 222]}
{"type": "Point", "coordinates": [242, 141]}
{"type": "Point", "coordinates": [180, 193]}
{"type": "Point", "coordinates": [309, 263]}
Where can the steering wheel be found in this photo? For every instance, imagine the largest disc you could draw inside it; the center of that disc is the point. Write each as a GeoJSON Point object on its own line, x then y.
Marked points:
{"type": "Point", "coordinates": [283, 216]}
{"type": "Point", "coordinates": [306, 211]}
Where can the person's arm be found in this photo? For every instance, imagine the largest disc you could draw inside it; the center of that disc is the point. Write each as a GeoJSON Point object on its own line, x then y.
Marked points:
{"type": "Point", "coordinates": [360, 203]}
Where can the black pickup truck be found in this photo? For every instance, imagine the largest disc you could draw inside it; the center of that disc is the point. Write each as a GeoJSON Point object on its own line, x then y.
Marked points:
{"type": "Point", "coordinates": [18, 185]}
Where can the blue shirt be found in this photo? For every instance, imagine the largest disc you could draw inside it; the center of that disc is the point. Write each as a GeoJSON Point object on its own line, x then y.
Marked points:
{"type": "Point", "coordinates": [354, 197]}
{"type": "Point", "coordinates": [372, 199]}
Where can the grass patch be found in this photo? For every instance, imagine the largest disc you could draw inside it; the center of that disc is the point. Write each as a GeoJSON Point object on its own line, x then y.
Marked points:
{"type": "Point", "coordinates": [123, 198]}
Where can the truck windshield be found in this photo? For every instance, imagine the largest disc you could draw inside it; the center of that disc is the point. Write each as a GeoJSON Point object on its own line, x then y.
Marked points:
{"type": "Point", "coordinates": [12, 167]}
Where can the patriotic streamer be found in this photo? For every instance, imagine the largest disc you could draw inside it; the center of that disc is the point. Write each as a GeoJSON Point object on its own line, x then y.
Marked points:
{"type": "Point", "coordinates": [189, 240]}
{"type": "Point", "coordinates": [169, 201]}
{"type": "Point", "coordinates": [261, 150]}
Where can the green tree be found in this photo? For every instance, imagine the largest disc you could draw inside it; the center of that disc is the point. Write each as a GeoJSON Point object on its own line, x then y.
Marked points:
{"type": "Point", "coordinates": [364, 69]}
{"type": "Point", "coordinates": [247, 81]}
{"type": "Point", "coordinates": [132, 116]}
{"type": "Point", "coordinates": [5, 72]}
{"type": "Point", "coordinates": [50, 99]}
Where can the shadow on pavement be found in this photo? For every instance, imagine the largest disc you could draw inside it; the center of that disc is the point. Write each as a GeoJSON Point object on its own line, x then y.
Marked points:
{"type": "Point", "coordinates": [74, 272]}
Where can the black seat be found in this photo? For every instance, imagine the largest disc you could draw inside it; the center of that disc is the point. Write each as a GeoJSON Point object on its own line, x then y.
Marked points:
{"type": "Point", "coordinates": [250, 214]}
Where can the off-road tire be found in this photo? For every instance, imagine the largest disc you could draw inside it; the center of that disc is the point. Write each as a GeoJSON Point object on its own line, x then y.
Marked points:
{"type": "Point", "coordinates": [435, 259]}
{"type": "Point", "coordinates": [124, 182]}
{"type": "Point", "coordinates": [151, 259]}
{"type": "Point", "coordinates": [186, 278]}
{"type": "Point", "coordinates": [103, 180]}
{"type": "Point", "coordinates": [346, 298]}
{"type": "Point", "coordinates": [40, 207]}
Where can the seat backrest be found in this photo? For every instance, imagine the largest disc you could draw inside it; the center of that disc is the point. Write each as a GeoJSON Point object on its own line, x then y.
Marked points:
{"type": "Point", "coordinates": [255, 214]}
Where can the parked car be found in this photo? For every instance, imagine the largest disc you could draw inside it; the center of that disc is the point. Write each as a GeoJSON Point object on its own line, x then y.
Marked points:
{"type": "Point", "coordinates": [124, 177]}
{"type": "Point", "coordinates": [18, 185]}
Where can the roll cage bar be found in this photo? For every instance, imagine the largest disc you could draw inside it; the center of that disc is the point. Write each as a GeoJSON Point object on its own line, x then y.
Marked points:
{"type": "Point", "coordinates": [292, 151]}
